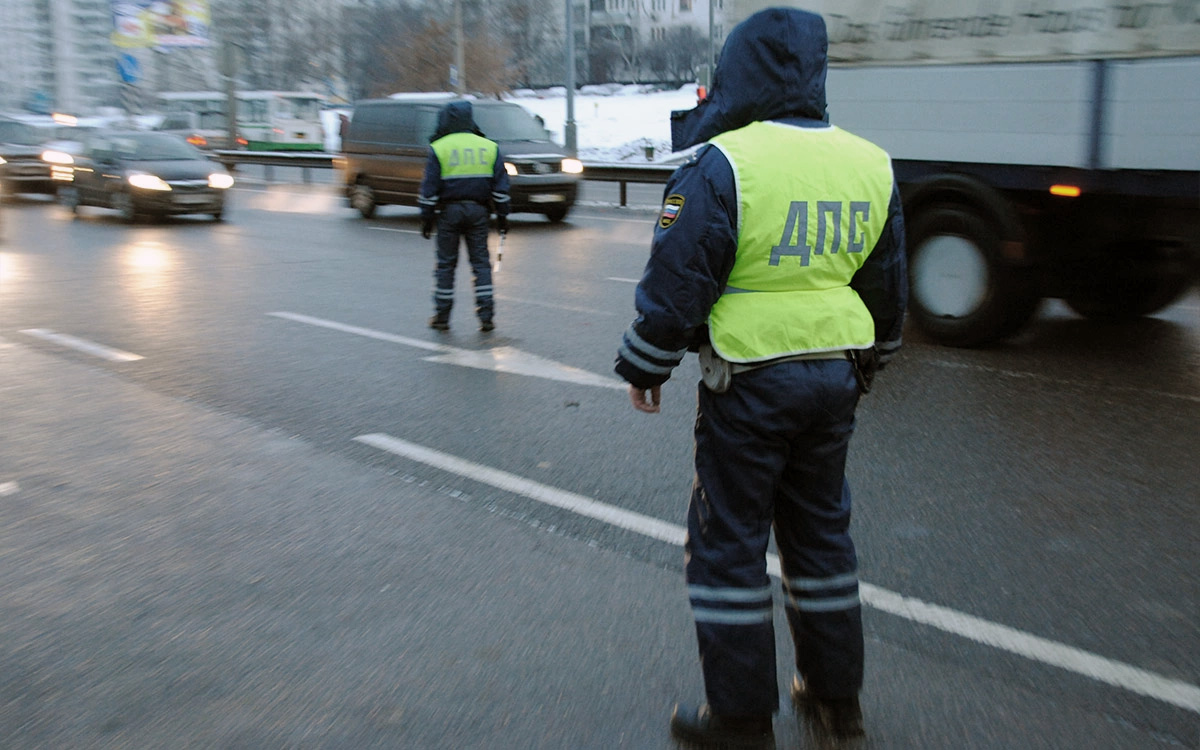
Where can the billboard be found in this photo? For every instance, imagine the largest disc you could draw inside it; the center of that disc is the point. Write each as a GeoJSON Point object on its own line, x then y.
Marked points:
{"type": "Point", "coordinates": [162, 24]}
{"type": "Point", "coordinates": [926, 31]}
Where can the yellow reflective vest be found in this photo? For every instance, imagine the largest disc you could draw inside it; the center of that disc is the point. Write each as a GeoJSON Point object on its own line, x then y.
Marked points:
{"type": "Point", "coordinates": [812, 203]}
{"type": "Point", "coordinates": [465, 155]}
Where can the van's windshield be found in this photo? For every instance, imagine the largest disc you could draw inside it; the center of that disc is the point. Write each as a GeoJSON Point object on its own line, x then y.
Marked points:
{"type": "Point", "coordinates": [509, 122]}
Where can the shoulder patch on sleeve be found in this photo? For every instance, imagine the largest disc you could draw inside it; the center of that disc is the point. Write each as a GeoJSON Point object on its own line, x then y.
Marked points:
{"type": "Point", "coordinates": [672, 207]}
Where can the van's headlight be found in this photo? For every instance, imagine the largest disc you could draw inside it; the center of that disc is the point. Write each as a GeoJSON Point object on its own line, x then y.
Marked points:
{"type": "Point", "coordinates": [572, 166]}
{"type": "Point", "coordinates": [220, 180]}
{"type": "Point", "coordinates": [147, 181]}
{"type": "Point", "coordinates": [51, 156]}
{"type": "Point", "coordinates": [510, 168]}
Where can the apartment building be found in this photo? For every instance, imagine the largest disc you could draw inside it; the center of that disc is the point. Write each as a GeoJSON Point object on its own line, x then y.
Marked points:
{"type": "Point", "coordinates": [56, 54]}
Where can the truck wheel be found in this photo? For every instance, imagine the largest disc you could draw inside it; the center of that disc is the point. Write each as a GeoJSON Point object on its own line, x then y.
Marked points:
{"type": "Point", "coordinates": [363, 198]}
{"type": "Point", "coordinates": [1129, 280]}
{"type": "Point", "coordinates": [962, 293]}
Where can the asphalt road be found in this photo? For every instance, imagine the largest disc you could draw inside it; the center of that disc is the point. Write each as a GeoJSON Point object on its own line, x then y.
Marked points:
{"type": "Point", "coordinates": [248, 499]}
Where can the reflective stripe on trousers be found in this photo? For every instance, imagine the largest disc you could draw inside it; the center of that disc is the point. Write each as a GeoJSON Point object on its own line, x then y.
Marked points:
{"type": "Point", "coordinates": [469, 221]}
{"type": "Point", "coordinates": [771, 452]}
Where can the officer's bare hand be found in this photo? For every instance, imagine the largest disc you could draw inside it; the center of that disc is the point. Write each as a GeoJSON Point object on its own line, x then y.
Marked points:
{"type": "Point", "coordinates": [646, 399]}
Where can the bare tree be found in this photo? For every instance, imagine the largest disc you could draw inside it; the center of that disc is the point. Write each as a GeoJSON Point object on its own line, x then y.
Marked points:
{"type": "Point", "coordinates": [534, 36]}
{"type": "Point", "coordinates": [419, 58]}
{"type": "Point", "coordinates": [686, 49]}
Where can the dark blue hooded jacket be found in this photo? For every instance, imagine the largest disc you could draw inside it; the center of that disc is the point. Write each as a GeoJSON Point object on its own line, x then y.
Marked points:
{"type": "Point", "coordinates": [772, 67]}
{"type": "Point", "coordinates": [491, 191]}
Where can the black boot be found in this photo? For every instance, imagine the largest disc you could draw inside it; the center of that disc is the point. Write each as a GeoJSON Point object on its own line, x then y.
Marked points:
{"type": "Point", "coordinates": [700, 727]}
{"type": "Point", "coordinates": [835, 717]}
{"type": "Point", "coordinates": [440, 322]}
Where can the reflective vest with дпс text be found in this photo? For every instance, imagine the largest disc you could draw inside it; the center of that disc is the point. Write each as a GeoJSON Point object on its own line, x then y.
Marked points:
{"type": "Point", "coordinates": [465, 155]}
{"type": "Point", "coordinates": [812, 203]}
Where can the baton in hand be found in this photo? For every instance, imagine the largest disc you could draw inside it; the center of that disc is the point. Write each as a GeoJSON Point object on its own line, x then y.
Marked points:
{"type": "Point", "coordinates": [500, 252]}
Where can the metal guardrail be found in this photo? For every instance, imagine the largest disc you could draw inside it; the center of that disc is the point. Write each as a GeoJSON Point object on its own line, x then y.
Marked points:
{"type": "Point", "coordinates": [624, 174]}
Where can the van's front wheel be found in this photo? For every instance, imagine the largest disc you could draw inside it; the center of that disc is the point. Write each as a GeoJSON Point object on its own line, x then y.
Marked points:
{"type": "Point", "coordinates": [363, 198]}
{"type": "Point", "coordinates": [556, 214]}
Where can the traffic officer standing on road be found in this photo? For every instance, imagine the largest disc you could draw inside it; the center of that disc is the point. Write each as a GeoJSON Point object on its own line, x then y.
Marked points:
{"type": "Point", "coordinates": [465, 178]}
{"type": "Point", "coordinates": [779, 257]}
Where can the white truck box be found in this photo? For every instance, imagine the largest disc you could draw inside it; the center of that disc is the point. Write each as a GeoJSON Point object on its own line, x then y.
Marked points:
{"type": "Point", "coordinates": [1044, 148]}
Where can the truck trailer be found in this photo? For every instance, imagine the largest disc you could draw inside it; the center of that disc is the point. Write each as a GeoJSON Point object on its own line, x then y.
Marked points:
{"type": "Point", "coordinates": [1043, 148]}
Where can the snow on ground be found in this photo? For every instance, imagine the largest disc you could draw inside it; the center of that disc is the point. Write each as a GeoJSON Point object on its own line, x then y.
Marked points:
{"type": "Point", "coordinates": [613, 123]}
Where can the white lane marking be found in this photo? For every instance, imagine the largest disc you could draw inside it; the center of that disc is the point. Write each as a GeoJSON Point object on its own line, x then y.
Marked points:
{"type": "Point", "coordinates": [9, 488]}
{"type": "Point", "coordinates": [1057, 381]}
{"type": "Point", "coordinates": [371, 334]}
{"type": "Point", "coordinates": [500, 359]}
{"type": "Point", "coordinates": [393, 229]}
{"type": "Point", "coordinates": [1033, 647]}
{"type": "Point", "coordinates": [82, 345]}
{"type": "Point", "coordinates": [618, 278]}
{"type": "Point", "coordinates": [584, 506]}
{"type": "Point", "coordinates": [1099, 668]}
{"type": "Point", "coordinates": [517, 362]}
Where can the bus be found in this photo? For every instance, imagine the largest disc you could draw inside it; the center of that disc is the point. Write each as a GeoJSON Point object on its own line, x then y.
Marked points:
{"type": "Point", "coordinates": [266, 120]}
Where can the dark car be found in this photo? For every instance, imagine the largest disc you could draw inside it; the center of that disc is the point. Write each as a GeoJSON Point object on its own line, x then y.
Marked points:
{"type": "Point", "coordinates": [387, 143]}
{"type": "Point", "coordinates": [146, 173]}
{"type": "Point", "coordinates": [22, 169]}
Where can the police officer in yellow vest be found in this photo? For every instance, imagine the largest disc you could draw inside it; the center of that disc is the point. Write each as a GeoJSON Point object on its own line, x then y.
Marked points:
{"type": "Point", "coordinates": [779, 257]}
{"type": "Point", "coordinates": [465, 179]}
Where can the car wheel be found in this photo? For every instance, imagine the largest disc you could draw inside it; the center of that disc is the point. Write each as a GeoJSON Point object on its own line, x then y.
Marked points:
{"type": "Point", "coordinates": [556, 214]}
{"type": "Point", "coordinates": [123, 203]}
{"type": "Point", "coordinates": [218, 215]}
{"type": "Point", "coordinates": [68, 198]}
{"type": "Point", "coordinates": [363, 198]}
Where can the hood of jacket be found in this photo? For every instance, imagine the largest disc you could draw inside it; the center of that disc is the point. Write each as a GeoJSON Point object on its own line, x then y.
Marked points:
{"type": "Point", "coordinates": [456, 117]}
{"type": "Point", "coordinates": [772, 66]}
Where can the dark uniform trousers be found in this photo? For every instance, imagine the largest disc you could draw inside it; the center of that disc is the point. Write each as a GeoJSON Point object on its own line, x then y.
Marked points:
{"type": "Point", "coordinates": [458, 220]}
{"type": "Point", "coordinates": [771, 451]}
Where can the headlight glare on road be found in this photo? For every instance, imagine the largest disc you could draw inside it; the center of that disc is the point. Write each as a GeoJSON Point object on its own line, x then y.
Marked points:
{"type": "Point", "coordinates": [57, 157]}
{"type": "Point", "coordinates": [220, 180]}
{"type": "Point", "coordinates": [147, 181]}
{"type": "Point", "coordinates": [510, 168]}
{"type": "Point", "coordinates": [572, 166]}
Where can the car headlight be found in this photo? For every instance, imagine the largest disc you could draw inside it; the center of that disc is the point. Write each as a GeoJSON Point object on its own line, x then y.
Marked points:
{"type": "Point", "coordinates": [220, 180]}
{"type": "Point", "coordinates": [147, 181]}
{"type": "Point", "coordinates": [510, 168]}
{"type": "Point", "coordinates": [2, 160]}
{"type": "Point", "coordinates": [57, 157]}
{"type": "Point", "coordinates": [572, 166]}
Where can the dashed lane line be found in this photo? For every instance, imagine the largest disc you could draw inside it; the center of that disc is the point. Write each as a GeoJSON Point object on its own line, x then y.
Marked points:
{"type": "Point", "coordinates": [82, 345]}
{"type": "Point", "coordinates": [1078, 661]}
{"type": "Point", "coordinates": [504, 359]}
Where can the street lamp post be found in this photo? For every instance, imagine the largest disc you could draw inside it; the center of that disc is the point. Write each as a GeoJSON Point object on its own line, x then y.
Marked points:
{"type": "Point", "coordinates": [569, 129]}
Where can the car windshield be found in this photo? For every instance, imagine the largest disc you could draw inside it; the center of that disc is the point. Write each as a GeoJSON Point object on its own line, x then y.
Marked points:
{"type": "Point", "coordinates": [508, 123]}
{"type": "Point", "coordinates": [18, 133]}
{"type": "Point", "coordinates": [154, 147]}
